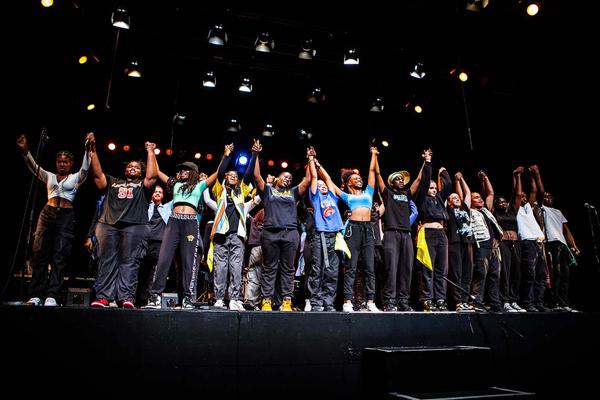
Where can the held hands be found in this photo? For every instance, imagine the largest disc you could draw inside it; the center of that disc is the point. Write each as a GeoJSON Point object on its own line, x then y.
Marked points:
{"type": "Point", "coordinates": [374, 150]}
{"type": "Point", "coordinates": [228, 149]}
{"type": "Point", "coordinates": [150, 147]}
{"type": "Point", "coordinates": [482, 175]}
{"type": "Point", "coordinates": [256, 147]}
{"type": "Point", "coordinates": [90, 142]}
{"type": "Point", "coordinates": [311, 153]}
{"type": "Point", "coordinates": [427, 154]}
{"type": "Point", "coordinates": [534, 169]}
{"type": "Point", "coordinates": [22, 144]}
{"type": "Point", "coordinates": [458, 176]}
{"type": "Point", "coordinates": [270, 179]}
{"type": "Point", "coordinates": [518, 171]}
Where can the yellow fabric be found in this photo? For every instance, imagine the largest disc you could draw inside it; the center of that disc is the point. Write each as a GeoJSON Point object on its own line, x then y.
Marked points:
{"type": "Point", "coordinates": [210, 256]}
{"type": "Point", "coordinates": [341, 245]}
{"type": "Point", "coordinates": [422, 249]}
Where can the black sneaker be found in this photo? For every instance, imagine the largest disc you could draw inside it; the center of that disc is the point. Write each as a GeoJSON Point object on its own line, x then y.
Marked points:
{"type": "Point", "coordinates": [390, 308]}
{"type": "Point", "coordinates": [541, 307]}
{"type": "Point", "coordinates": [153, 302]}
{"type": "Point", "coordinates": [441, 305]}
{"type": "Point", "coordinates": [404, 307]}
{"type": "Point", "coordinates": [330, 309]}
{"type": "Point", "coordinates": [428, 306]}
{"type": "Point", "coordinates": [531, 308]}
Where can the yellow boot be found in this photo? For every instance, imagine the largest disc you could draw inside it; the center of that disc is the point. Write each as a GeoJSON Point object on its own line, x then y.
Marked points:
{"type": "Point", "coordinates": [286, 305]}
{"type": "Point", "coordinates": [266, 305]}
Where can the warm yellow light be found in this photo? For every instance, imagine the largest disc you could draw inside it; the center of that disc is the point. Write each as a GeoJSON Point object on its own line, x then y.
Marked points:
{"type": "Point", "coordinates": [157, 151]}
{"type": "Point", "coordinates": [284, 165]}
{"type": "Point", "coordinates": [418, 109]}
{"type": "Point", "coordinates": [209, 156]}
{"type": "Point", "coordinates": [197, 156]}
{"type": "Point", "coordinates": [47, 3]}
{"type": "Point", "coordinates": [533, 9]}
{"type": "Point", "coordinates": [169, 152]}
{"type": "Point", "coordinates": [82, 60]}
{"type": "Point", "coordinates": [90, 107]}
{"type": "Point", "coordinates": [463, 76]}
{"type": "Point", "coordinates": [112, 146]}
{"type": "Point", "coordinates": [385, 143]}
{"type": "Point", "coordinates": [126, 147]}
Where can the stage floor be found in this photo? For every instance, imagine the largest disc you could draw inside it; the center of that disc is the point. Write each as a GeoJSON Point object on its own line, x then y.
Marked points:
{"type": "Point", "coordinates": [274, 354]}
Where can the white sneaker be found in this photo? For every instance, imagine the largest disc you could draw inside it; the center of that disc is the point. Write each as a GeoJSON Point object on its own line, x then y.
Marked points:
{"type": "Point", "coordinates": [371, 307]}
{"type": "Point", "coordinates": [50, 302]}
{"type": "Point", "coordinates": [219, 304]}
{"type": "Point", "coordinates": [515, 306]}
{"type": "Point", "coordinates": [235, 305]}
{"type": "Point", "coordinates": [508, 308]}
{"type": "Point", "coordinates": [34, 301]}
{"type": "Point", "coordinates": [307, 306]}
{"type": "Point", "coordinates": [348, 307]}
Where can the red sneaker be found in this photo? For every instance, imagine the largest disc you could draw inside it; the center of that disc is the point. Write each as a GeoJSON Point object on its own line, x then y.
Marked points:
{"type": "Point", "coordinates": [100, 303]}
{"type": "Point", "coordinates": [128, 304]}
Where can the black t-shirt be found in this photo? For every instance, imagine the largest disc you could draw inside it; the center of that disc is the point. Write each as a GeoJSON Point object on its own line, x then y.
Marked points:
{"type": "Point", "coordinates": [232, 215]}
{"type": "Point", "coordinates": [397, 210]}
{"type": "Point", "coordinates": [157, 226]}
{"type": "Point", "coordinates": [507, 220]}
{"type": "Point", "coordinates": [126, 202]}
{"type": "Point", "coordinates": [459, 225]}
{"type": "Point", "coordinates": [280, 207]}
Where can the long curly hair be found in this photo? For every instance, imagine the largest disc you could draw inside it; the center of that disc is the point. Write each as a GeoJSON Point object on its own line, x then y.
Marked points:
{"type": "Point", "coordinates": [189, 184]}
{"type": "Point", "coordinates": [345, 176]}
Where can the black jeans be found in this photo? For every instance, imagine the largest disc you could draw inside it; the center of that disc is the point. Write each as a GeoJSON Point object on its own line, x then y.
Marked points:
{"type": "Point", "coordinates": [486, 276]}
{"type": "Point", "coordinates": [52, 244]}
{"type": "Point", "coordinates": [534, 277]}
{"type": "Point", "coordinates": [433, 285]}
{"type": "Point", "coordinates": [559, 278]}
{"type": "Point", "coordinates": [510, 271]}
{"type": "Point", "coordinates": [460, 270]}
{"type": "Point", "coordinates": [398, 257]}
{"type": "Point", "coordinates": [279, 251]}
{"type": "Point", "coordinates": [361, 241]}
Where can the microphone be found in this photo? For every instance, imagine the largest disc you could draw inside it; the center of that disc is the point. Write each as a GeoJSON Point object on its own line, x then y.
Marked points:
{"type": "Point", "coordinates": [588, 205]}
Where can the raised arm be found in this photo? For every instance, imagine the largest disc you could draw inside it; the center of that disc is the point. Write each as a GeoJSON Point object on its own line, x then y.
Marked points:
{"type": "Point", "coordinates": [314, 176]}
{"type": "Point", "coordinates": [249, 174]}
{"type": "Point", "coordinates": [213, 177]}
{"type": "Point", "coordinates": [415, 185]}
{"type": "Point", "coordinates": [85, 164]}
{"type": "Point", "coordinates": [517, 188]}
{"type": "Point", "coordinates": [426, 175]}
{"type": "Point", "coordinates": [380, 181]}
{"type": "Point", "coordinates": [332, 186]}
{"type": "Point", "coordinates": [306, 181]}
{"type": "Point", "coordinates": [151, 163]}
{"type": "Point", "coordinates": [463, 189]}
{"type": "Point", "coordinates": [29, 161]}
{"type": "Point", "coordinates": [537, 177]}
{"type": "Point", "coordinates": [225, 162]}
{"type": "Point", "coordinates": [486, 187]}
{"type": "Point", "coordinates": [97, 174]}
{"type": "Point", "coordinates": [260, 182]}
{"type": "Point", "coordinates": [371, 179]}
{"type": "Point", "coordinates": [444, 183]}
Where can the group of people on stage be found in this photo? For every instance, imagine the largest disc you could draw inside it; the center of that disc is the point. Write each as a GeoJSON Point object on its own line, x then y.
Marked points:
{"type": "Point", "coordinates": [469, 250]}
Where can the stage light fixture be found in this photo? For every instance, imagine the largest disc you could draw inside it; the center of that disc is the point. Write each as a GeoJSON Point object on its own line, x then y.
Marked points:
{"type": "Point", "coordinates": [120, 19]}
{"type": "Point", "coordinates": [418, 72]}
{"type": "Point", "coordinates": [351, 57]}
{"type": "Point", "coordinates": [284, 164]}
{"type": "Point", "coordinates": [111, 146]}
{"type": "Point", "coordinates": [210, 80]}
{"type": "Point", "coordinates": [377, 105]}
{"type": "Point", "coordinates": [197, 156]}
{"type": "Point", "coordinates": [246, 85]}
{"type": "Point", "coordinates": [308, 51]}
{"type": "Point", "coordinates": [217, 35]}
{"type": "Point", "coordinates": [133, 70]}
{"type": "Point", "coordinates": [476, 5]}
{"type": "Point", "coordinates": [268, 130]}
{"type": "Point", "coordinates": [264, 43]}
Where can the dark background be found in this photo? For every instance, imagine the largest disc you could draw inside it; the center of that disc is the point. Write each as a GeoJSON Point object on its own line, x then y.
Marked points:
{"type": "Point", "coordinates": [531, 93]}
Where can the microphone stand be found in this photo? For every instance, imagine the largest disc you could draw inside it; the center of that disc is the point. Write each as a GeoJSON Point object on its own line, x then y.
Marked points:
{"type": "Point", "coordinates": [505, 328]}
{"type": "Point", "coordinates": [590, 208]}
{"type": "Point", "coordinates": [31, 199]}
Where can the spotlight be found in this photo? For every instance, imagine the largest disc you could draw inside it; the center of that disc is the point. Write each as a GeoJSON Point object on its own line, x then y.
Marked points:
{"type": "Point", "coordinates": [418, 109]}
{"type": "Point", "coordinates": [126, 147]}
{"type": "Point", "coordinates": [270, 163]}
{"type": "Point", "coordinates": [217, 35]}
{"type": "Point", "coordinates": [197, 156]}
{"type": "Point", "coordinates": [83, 60]}
{"type": "Point", "coordinates": [178, 119]}
{"type": "Point", "coordinates": [210, 80]}
{"type": "Point", "coordinates": [47, 3]}
{"type": "Point", "coordinates": [264, 43]}
{"type": "Point", "coordinates": [351, 57]}
{"type": "Point", "coordinates": [90, 106]}
{"type": "Point", "coordinates": [242, 160]}
{"type": "Point", "coordinates": [268, 130]}
{"type": "Point", "coordinates": [418, 72]}
{"type": "Point", "coordinates": [111, 146]}
{"type": "Point", "coordinates": [120, 19]}
{"type": "Point", "coordinates": [157, 151]}
{"type": "Point", "coordinates": [133, 70]}
{"type": "Point", "coordinates": [532, 9]}
{"type": "Point", "coordinates": [307, 52]}
{"type": "Point", "coordinates": [377, 105]}
{"type": "Point", "coordinates": [284, 164]}
{"type": "Point", "coordinates": [246, 85]}
{"type": "Point", "coordinates": [463, 76]}
{"type": "Point", "coordinates": [385, 143]}
{"type": "Point", "coordinates": [169, 152]}
{"type": "Point", "coordinates": [209, 156]}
